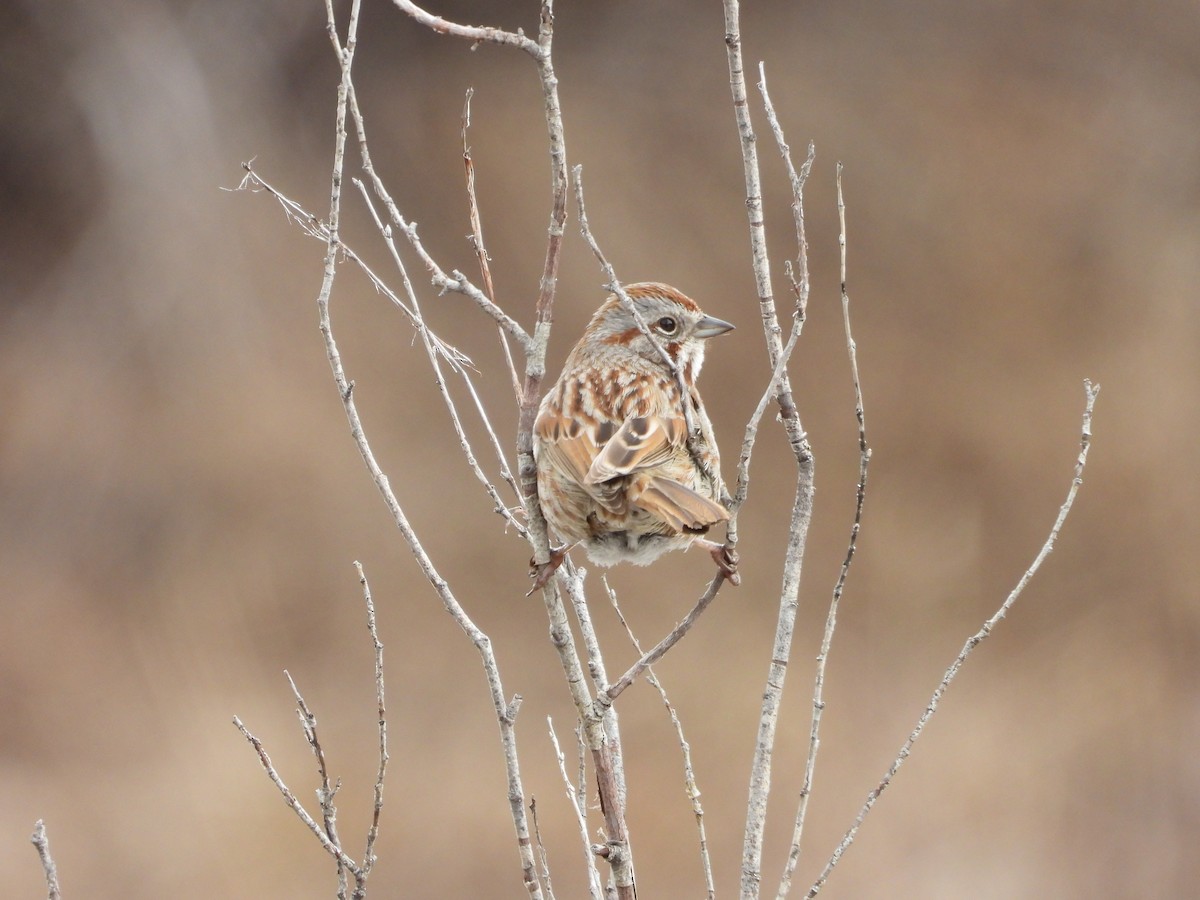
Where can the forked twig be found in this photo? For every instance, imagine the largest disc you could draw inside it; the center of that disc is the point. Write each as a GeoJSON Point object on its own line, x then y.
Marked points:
{"type": "Point", "coordinates": [579, 807]}
{"type": "Point", "coordinates": [297, 807]}
{"type": "Point", "coordinates": [864, 460]}
{"type": "Point", "coordinates": [689, 775]}
{"type": "Point", "coordinates": [325, 792]}
{"type": "Point", "coordinates": [328, 833]}
{"type": "Point", "coordinates": [381, 710]}
{"type": "Point", "coordinates": [1090, 392]}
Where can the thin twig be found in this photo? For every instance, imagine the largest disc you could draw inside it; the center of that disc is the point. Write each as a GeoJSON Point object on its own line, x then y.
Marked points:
{"type": "Point", "coordinates": [606, 698]}
{"type": "Point", "coordinates": [1090, 392]}
{"type": "Point", "coordinates": [297, 807]}
{"type": "Point", "coordinates": [472, 33]}
{"type": "Point", "coordinates": [743, 478]}
{"type": "Point", "coordinates": [596, 669]}
{"type": "Point", "coordinates": [864, 461]}
{"type": "Point", "coordinates": [689, 774]}
{"type": "Point", "coordinates": [760, 771]}
{"type": "Point", "coordinates": [499, 506]}
{"type": "Point", "coordinates": [42, 843]}
{"type": "Point", "coordinates": [313, 227]}
{"type": "Point", "coordinates": [543, 857]}
{"type": "Point", "coordinates": [455, 281]}
{"type": "Point", "coordinates": [381, 710]}
{"type": "Point", "coordinates": [800, 287]}
{"type": "Point", "coordinates": [580, 809]}
{"type": "Point", "coordinates": [326, 792]}
{"type": "Point", "coordinates": [485, 268]}
{"type": "Point", "coordinates": [345, 55]}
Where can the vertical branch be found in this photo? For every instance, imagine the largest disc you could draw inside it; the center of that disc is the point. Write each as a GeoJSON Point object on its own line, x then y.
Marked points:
{"type": "Point", "coordinates": [579, 806]}
{"type": "Point", "coordinates": [760, 772]}
{"type": "Point", "coordinates": [326, 792]}
{"type": "Point", "coordinates": [689, 775]}
{"type": "Point", "coordinates": [381, 710]}
{"type": "Point", "coordinates": [599, 675]}
{"type": "Point", "coordinates": [535, 356]}
{"type": "Point", "coordinates": [864, 460]}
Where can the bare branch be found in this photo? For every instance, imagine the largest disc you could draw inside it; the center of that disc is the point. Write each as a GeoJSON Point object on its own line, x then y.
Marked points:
{"type": "Point", "coordinates": [591, 644]}
{"type": "Point", "coordinates": [381, 709]}
{"type": "Point", "coordinates": [743, 477]}
{"type": "Point", "coordinates": [42, 843]}
{"type": "Point", "coordinates": [326, 792]}
{"type": "Point", "coordinates": [1090, 392]}
{"type": "Point", "coordinates": [485, 268]}
{"type": "Point", "coordinates": [477, 35]}
{"type": "Point", "coordinates": [689, 775]}
{"type": "Point", "coordinates": [597, 731]}
{"type": "Point", "coordinates": [760, 772]}
{"type": "Point", "coordinates": [605, 700]}
{"type": "Point", "coordinates": [428, 339]}
{"type": "Point", "coordinates": [831, 618]}
{"type": "Point", "coordinates": [800, 287]}
{"type": "Point", "coordinates": [543, 857]}
{"type": "Point", "coordinates": [297, 807]}
{"type": "Point", "coordinates": [797, 179]}
{"type": "Point", "coordinates": [580, 808]}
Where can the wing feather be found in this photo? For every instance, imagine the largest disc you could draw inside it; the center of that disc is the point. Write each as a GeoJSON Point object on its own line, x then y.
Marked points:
{"type": "Point", "coordinates": [683, 509]}
{"type": "Point", "coordinates": [640, 443]}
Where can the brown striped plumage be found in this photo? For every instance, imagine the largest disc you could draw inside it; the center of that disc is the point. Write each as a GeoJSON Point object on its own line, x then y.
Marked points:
{"type": "Point", "coordinates": [614, 470]}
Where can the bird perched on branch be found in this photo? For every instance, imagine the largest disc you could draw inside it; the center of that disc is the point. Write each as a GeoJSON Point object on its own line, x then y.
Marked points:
{"type": "Point", "coordinates": [616, 471]}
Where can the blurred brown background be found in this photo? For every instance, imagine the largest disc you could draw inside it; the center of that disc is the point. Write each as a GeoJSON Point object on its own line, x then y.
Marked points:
{"type": "Point", "coordinates": [181, 503]}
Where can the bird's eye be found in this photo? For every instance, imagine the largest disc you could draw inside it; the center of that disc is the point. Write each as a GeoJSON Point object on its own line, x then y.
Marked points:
{"type": "Point", "coordinates": [667, 325]}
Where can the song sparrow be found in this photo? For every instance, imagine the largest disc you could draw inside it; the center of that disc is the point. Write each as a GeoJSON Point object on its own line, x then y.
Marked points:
{"type": "Point", "coordinates": [614, 471]}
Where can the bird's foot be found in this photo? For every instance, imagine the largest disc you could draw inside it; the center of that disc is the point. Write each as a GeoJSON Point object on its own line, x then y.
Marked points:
{"type": "Point", "coordinates": [726, 559]}
{"type": "Point", "coordinates": [541, 574]}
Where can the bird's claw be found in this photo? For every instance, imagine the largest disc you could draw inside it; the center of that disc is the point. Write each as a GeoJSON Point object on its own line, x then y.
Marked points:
{"type": "Point", "coordinates": [541, 574]}
{"type": "Point", "coordinates": [727, 560]}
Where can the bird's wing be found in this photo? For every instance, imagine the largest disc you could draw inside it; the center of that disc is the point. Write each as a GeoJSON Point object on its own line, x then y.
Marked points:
{"type": "Point", "coordinates": [640, 445]}
{"type": "Point", "coordinates": [572, 446]}
{"type": "Point", "coordinates": [641, 442]}
{"type": "Point", "coordinates": [683, 509]}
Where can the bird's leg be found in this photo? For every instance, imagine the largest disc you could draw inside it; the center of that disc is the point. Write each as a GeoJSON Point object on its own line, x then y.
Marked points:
{"type": "Point", "coordinates": [543, 573]}
{"type": "Point", "coordinates": [726, 559]}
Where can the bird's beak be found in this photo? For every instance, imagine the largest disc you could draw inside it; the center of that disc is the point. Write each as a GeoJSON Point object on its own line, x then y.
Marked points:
{"type": "Point", "coordinates": [710, 326]}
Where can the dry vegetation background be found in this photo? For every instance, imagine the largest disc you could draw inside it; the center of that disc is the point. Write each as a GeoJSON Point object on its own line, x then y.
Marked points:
{"type": "Point", "coordinates": [181, 502]}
